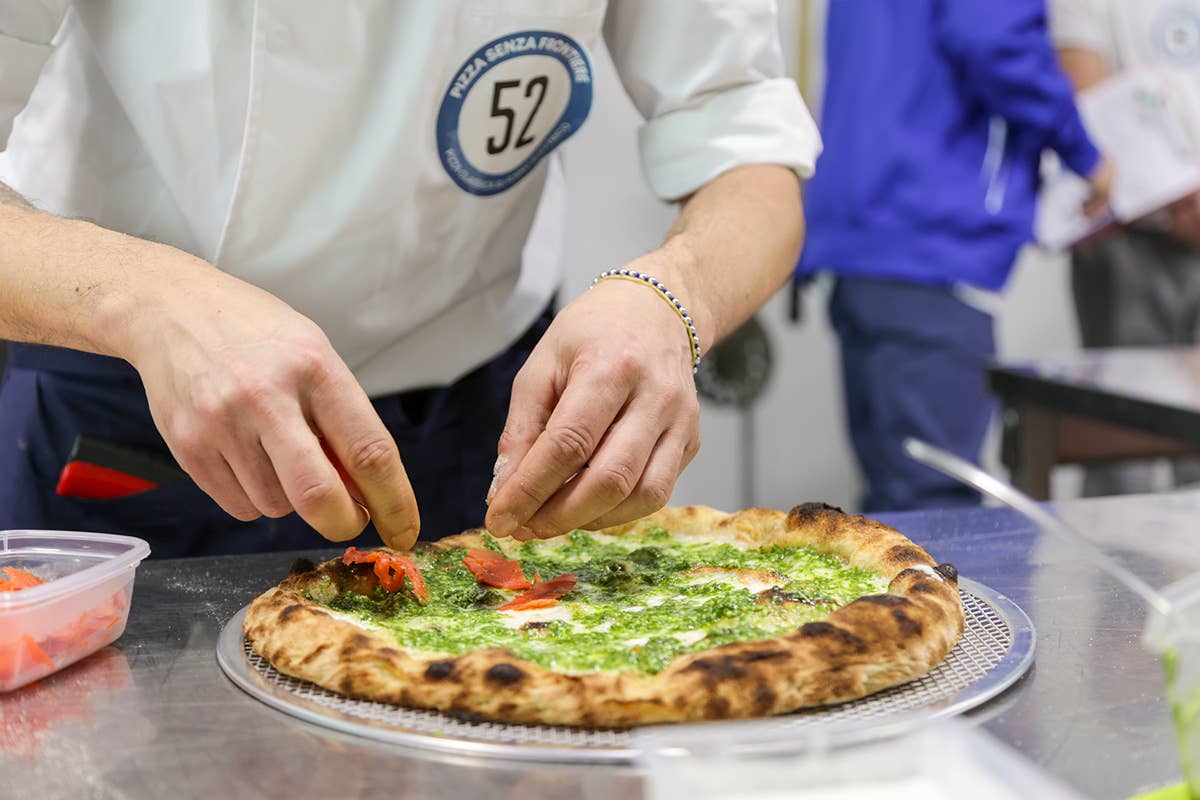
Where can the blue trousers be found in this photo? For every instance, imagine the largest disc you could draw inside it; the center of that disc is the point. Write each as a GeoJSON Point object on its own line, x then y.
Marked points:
{"type": "Point", "coordinates": [913, 360]}
{"type": "Point", "coordinates": [447, 438]}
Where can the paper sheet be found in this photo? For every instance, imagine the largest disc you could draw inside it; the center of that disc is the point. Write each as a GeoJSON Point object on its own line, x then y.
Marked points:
{"type": "Point", "coordinates": [1148, 123]}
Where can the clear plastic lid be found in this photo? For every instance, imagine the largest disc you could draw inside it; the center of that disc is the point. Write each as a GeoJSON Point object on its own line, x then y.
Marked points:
{"type": "Point", "coordinates": [911, 756]}
{"type": "Point", "coordinates": [68, 561]}
{"type": "Point", "coordinates": [1181, 623]}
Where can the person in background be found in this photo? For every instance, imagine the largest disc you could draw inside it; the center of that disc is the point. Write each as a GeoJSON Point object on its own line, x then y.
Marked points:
{"type": "Point", "coordinates": [935, 116]}
{"type": "Point", "coordinates": [279, 240]}
{"type": "Point", "coordinates": [1140, 285]}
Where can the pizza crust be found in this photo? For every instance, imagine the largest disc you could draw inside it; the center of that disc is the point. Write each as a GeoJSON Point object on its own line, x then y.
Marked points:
{"type": "Point", "coordinates": [871, 644]}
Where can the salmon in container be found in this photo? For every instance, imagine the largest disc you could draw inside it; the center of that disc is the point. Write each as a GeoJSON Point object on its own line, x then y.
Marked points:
{"type": "Point", "coordinates": [63, 596]}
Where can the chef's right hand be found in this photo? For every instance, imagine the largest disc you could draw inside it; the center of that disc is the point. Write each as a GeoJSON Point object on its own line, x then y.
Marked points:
{"type": "Point", "coordinates": [250, 397]}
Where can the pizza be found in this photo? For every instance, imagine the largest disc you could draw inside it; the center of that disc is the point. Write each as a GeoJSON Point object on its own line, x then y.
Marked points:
{"type": "Point", "coordinates": [687, 614]}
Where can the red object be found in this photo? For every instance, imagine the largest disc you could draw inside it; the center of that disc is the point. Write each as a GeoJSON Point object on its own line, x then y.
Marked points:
{"type": "Point", "coordinates": [93, 482]}
{"type": "Point", "coordinates": [391, 569]}
{"type": "Point", "coordinates": [542, 595]}
{"type": "Point", "coordinates": [18, 579]}
{"type": "Point", "coordinates": [495, 570]}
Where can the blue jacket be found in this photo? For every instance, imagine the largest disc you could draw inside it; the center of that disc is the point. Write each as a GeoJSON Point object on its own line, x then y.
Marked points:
{"type": "Point", "coordinates": [935, 116]}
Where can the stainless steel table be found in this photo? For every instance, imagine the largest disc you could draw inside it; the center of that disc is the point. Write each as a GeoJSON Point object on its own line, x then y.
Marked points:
{"type": "Point", "coordinates": [154, 717]}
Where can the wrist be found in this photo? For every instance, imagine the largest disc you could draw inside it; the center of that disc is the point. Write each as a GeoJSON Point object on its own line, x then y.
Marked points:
{"type": "Point", "coordinates": [677, 309]}
{"type": "Point", "coordinates": [677, 267]}
{"type": "Point", "coordinates": [153, 288]}
{"type": "Point", "coordinates": [123, 304]}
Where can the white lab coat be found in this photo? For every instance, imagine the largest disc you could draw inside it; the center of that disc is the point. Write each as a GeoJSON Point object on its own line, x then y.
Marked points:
{"type": "Point", "coordinates": [377, 165]}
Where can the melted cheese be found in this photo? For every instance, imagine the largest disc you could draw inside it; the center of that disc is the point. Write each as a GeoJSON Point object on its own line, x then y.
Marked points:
{"type": "Point", "coordinates": [756, 580]}
{"type": "Point", "coordinates": [515, 619]}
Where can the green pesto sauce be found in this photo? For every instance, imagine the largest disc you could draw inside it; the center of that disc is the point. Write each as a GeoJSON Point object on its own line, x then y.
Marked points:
{"type": "Point", "coordinates": [1185, 712]}
{"type": "Point", "coordinates": [634, 608]}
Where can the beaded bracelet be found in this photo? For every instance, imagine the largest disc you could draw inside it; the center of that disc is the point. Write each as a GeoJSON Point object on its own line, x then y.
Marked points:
{"type": "Point", "coordinates": [657, 285]}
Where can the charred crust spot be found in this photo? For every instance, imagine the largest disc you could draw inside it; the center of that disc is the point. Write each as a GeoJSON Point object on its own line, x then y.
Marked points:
{"type": "Point", "coordinates": [762, 655]}
{"type": "Point", "coordinates": [908, 626]}
{"type": "Point", "coordinates": [923, 587]}
{"type": "Point", "coordinates": [356, 642]}
{"type": "Point", "coordinates": [824, 630]}
{"type": "Point", "coordinates": [885, 600]}
{"type": "Point", "coordinates": [905, 553]}
{"type": "Point", "coordinates": [764, 698]}
{"type": "Point", "coordinates": [289, 611]}
{"type": "Point", "coordinates": [810, 512]}
{"type": "Point", "coordinates": [440, 670]}
{"type": "Point", "coordinates": [390, 652]}
{"type": "Point", "coordinates": [716, 707]}
{"type": "Point", "coordinates": [947, 571]}
{"type": "Point", "coordinates": [713, 670]}
{"type": "Point", "coordinates": [505, 674]}
{"type": "Point", "coordinates": [301, 565]}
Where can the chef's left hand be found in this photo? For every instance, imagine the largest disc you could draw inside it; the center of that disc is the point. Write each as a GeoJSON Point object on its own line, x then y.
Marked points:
{"type": "Point", "coordinates": [604, 415]}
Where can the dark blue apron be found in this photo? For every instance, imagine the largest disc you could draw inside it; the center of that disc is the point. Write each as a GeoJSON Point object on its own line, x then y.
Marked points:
{"type": "Point", "coordinates": [50, 396]}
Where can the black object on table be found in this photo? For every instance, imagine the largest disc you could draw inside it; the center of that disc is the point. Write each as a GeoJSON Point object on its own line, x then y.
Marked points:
{"type": "Point", "coordinates": [1096, 406]}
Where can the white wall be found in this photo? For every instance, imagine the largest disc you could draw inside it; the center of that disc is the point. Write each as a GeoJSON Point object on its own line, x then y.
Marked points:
{"type": "Point", "coordinates": [802, 450]}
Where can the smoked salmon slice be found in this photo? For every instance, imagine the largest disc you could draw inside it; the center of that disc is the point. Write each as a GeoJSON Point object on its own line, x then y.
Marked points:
{"type": "Point", "coordinates": [18, 579]}
{"type": "Point", "coordinates": [391, 569]}
{"type": "Point", "coordinates": [495, 570]}
{"type": "Point", "coordinates": [542, 594]}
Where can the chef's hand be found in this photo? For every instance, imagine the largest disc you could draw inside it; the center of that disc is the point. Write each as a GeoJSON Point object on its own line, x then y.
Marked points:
{"type": "Point", "coordinates": [253, 402]}
{"type": "Point", "coordinates": [604, 415]}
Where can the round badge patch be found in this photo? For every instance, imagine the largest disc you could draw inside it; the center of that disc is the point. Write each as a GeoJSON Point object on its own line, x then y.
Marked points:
{"type": "Point", "coordinates": [1178, 36]}
{"type": "Point", "coordinates": [511, 103]}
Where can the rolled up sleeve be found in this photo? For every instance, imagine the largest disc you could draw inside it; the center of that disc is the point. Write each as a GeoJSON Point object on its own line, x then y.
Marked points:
{"type": "Point", "coordinates": [708, 76]}
{"type": "Point", "coordinates": [27, 28]}
{"type": "Point", "coordinates": [1080, 24]}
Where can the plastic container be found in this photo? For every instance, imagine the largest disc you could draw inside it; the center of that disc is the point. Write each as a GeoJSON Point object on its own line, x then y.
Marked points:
{"type": "Point", "coordinates": [1176, 637]}
{"type": "Point", "coordinates": [82, 606]}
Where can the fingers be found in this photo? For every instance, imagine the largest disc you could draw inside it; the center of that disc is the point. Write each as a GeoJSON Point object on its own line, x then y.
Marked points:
{"type": "Point", "coordinates": [311, 482]}
{"type": "Point", "coordinates": [579, 421]}
{"type": "Point", "coordinates": [367, 451]}
{"type": "Point", "coordinates": [612, 475]}
{"type": "Point", "coordinates": [216, 479]}
{"type": "Point", "coordinates": [671, 455]}
{"type": "Point", "coordinates": [254, 472]}
{"type": "Point", "coordinates": [529, 409]}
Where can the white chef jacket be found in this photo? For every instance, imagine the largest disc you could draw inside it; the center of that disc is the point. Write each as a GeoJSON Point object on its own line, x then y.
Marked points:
{"type": "Point", "coordinates": [1129, 34]}
{"type": "Point", "coordinates": [377, 165]}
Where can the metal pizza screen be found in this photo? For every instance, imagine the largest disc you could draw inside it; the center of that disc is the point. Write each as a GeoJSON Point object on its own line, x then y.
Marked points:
{"type": "Point", "coordinates": [985, 641]}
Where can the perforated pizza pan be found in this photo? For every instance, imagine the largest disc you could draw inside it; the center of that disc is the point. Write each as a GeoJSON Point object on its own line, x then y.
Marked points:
{"type": "Point", "coordinates": [995, 650]}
